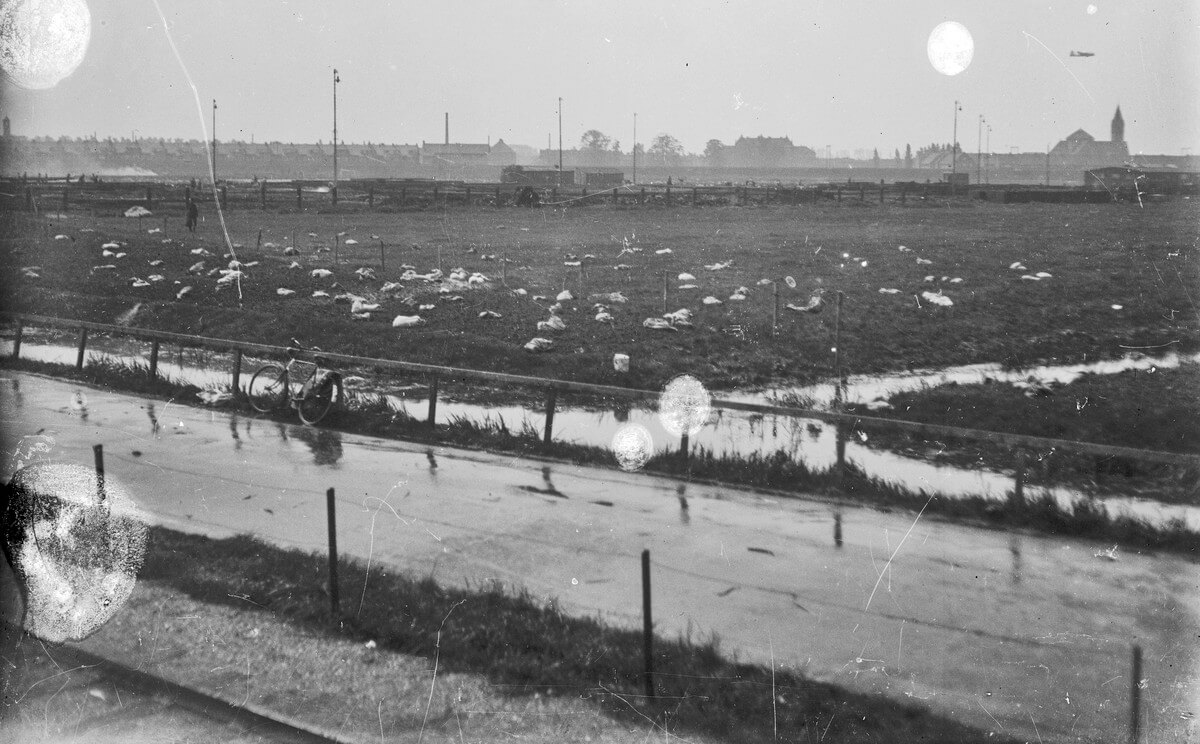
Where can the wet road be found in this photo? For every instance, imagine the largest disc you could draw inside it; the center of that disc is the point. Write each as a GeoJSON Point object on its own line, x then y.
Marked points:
{"type": "Point", "coordinates": [1023, 635]}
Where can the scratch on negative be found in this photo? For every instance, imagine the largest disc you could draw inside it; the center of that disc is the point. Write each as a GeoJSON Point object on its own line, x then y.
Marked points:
{"type": "Point", "coordinates": [899, 545]}
{"type": "Point", "coordinates": [437, 651]}
{"type": "Point", "coordinates": [1064, 64]}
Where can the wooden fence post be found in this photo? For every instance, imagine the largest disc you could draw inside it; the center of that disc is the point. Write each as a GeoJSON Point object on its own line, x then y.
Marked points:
{"type": "Point", "coordinates": [642, 197]}
{"type": "Point", "coordinates": [433, 395]}
{"type": "Point", "coordinates": [668, 194]}
{"type": "Point", "coordinates": [17, 340]}
{"type": "Point", "coordinates": [153, 359]}
{"type": "Point", "coordinates": [237, 370]}
{"type": "Point", "coordinates": [149, 198]}
{"type": "Point", "coordinates": [1135, 695]}
{"type": "Point", "coordinates": [82, 348]}
{"type": "Point", "coordinates": [647, 628]}
{"type": "Point", "coordinates": [262, 195]}
{"type": "Point", "coordinates": [258, 243]}
{"type": "Point", "coordinates": [333, 556]}
{"type": "Point", "coordinates": [1018, 497]}
{"type": "Point", "coordinates": [98, 452]}
{"type": "Point", "coordinates": [551, 400]}
{"type": "Point", "coordinates": [775, 308]}
{"type": "Point", "coordinates": [615, 191]}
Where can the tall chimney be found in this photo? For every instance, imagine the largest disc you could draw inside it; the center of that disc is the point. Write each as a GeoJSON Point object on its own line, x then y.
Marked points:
{"type": "Point", "coordinates": [447, 127]}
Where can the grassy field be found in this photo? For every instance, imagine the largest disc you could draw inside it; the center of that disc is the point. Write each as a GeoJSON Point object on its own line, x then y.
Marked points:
{"type": "Point", "coordinates": [1099, 256]}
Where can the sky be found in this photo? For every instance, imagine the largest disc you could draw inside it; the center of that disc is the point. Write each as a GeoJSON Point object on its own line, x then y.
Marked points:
{"type": "Point", "coordinates": [847, 75]}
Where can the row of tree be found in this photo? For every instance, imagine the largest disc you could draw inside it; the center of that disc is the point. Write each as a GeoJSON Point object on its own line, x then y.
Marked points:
{"type": "Point", "coordinates": [669, 149]}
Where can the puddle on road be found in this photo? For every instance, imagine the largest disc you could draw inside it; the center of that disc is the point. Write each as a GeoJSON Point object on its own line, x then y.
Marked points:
{"type": "Point", "coordinates": [808, 441]}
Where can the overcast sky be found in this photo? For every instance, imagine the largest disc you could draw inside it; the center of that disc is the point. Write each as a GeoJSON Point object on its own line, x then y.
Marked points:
{"type": "Point", "coordinates": [845, 74]}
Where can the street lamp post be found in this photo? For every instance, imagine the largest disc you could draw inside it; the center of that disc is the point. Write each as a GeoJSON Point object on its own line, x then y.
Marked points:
{"type": "Point", "coordinates": [214, 144]}
{"type": "Point", "coordinates": [560, 163]}
{"type": "Point", "coordinates": [336, 80]}
{"type": "Point", "coordinates": [987, 173]}
{"type": "Point", "coordinates": [979, 151]}
{"type": "Point", "coordinates": [954, 148]}
{"type": "Point", "coordinates": [635, 148]}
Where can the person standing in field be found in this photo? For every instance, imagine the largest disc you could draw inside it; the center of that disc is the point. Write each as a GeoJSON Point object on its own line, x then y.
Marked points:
{"type": "Point", "coordinates": [193, 213]}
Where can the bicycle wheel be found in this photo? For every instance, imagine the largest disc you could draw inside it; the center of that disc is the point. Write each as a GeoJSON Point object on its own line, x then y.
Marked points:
{"type": "Point", "coordinates": [268, 388]}
{"type": "Point", "coordinates": [319, 400]}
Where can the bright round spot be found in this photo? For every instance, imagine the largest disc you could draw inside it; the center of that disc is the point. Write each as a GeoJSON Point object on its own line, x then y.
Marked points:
{"type": "Point", "coordinates": [684, 406]}
{"type": "Point", "coordinates": [950, 48]}
{"type": "Point", "coordinates": [43, 41]}
{"type": "Point", "coordinates": [1091, 10]}
{"type": "Point", "coordinates": [632, 446]}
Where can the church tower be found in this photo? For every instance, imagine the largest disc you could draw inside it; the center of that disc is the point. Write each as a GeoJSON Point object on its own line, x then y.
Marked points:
{"type": "Point", "coordinates": [1118, 126]}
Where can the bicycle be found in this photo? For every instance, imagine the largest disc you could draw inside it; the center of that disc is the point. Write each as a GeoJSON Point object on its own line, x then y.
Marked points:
{"type": "Point", "coordinates": [273, 384]}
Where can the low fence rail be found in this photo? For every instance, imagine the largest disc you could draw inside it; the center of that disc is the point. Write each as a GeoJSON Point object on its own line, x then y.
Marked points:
{"type": "Point", "coordinates": [115, 197]}
{"type": "Point", "coordinates": [1018, 443]}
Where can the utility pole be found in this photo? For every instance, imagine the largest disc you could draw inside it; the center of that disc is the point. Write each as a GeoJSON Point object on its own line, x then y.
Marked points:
{"type": "Point", "coordinates": [214, 144]}
{"type": "Point", "coordinates": [979, 151]}
{"type": "Point", "coordinates": [560, 163]}
{"type": "Point", "coordinates": [635, 148]}
{"type": "Point", "coordinates": [336, 80]}
{"type": "Point", "coordinates": [987, 173]}
{"type": "Point", "coordinates": [954, 145]}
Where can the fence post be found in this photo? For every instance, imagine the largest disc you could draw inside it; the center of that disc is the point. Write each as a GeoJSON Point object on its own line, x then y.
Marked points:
{"type": "Point", "coordinates": [17, 340]}
{"type": "Point", "coordinates": [551, 400]}
{"type": "Point", "coordinates": [333, 559]}
{"type": "Point", "coordinates": [839, 193]}
{"type": "Point", "coordinates": [433, 395]}
{"type": "Point", "coordinates": [642, 197]}
{"type": "Point", "coordinates": [29, 198]}
{"type": "Point", "coordinates": [82, 347]}
{"type": "Point", "coordinates": [1135, 691]}
{"type": "Point", "coordinates": [237, 370]}
{"type": "Point", "coordinates": [262, 195]}
{"type": "Point", "coordinates": [647, 627]}
{"type": "Point", "coordinates": [664, 277]}
{"type": "Point", "coordinates": [839, 474]}
{"type": "Point", "coordinates": [382, 258]}
{"type": "Point", "coordinates": [258, 243]}
{"type": "Point", "coordinates": [149, 198]}
{"type": "Point", "coordinates": [299, 200]}
{"type": "Point", "coordinates": [775, 309]}
{"type": "Point", "coordinates": [98, 451]}
{"type": "Point", "coordinates": [1018, 497]}
{"type": "Point", "coordinates": [153, 359]}
{"type": "Point", "coordinates": [668, 194]}
{"type": "Point", "coordinates": [498, 202]}
{"type": "Point", "coordinates": [862, 193]}
{"type": "Point", "coordinates": [224, 197]}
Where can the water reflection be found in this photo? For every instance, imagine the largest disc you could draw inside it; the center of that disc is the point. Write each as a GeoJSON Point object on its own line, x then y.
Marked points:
{"type": "Point", "coordinates": [1014, 547]}
{"type": "Point", "coordinates": [154, 425]}
{"type": "Point", "coordinates": [837, 529]}
{"type": "Point", "coordinates": [326, 444]}
{"type": "Point", "coordinates": [432, 461]}
{"type": "Point", "coordinates": [237, 440]}
{"type": "Point", "coordinates": [681, 492]}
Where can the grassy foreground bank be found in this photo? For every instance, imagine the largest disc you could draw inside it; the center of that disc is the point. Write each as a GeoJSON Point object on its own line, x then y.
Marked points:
{"type": "Point", "coordinates": [496, 648]}
{"type": "Point", "coordinates": [371, 415]}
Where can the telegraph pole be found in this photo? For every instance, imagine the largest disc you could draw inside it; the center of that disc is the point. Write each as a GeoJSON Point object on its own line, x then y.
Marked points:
{"type": "Point", "coordinates": [635, 148]}
{"type": "Point", "coordinates": [214, 144]}
{"type": "Point", "coordinates": [988, 172]}
{"type": "Point", "coordinates": [336, 80]}
{"type": "Point", "coordinates": [954, 148]}
{"type": "Point", "coordinates": [979, 151]}
{"type": "Point", "coordinates": [560, 163]}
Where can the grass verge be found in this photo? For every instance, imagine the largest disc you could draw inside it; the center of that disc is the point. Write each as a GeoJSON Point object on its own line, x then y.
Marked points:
{"type": "Point", "coordinates": [526, 648]}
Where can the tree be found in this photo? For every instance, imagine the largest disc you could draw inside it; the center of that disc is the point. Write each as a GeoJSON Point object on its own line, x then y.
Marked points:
{"type": "Point", "coordinates": [908, 161]}
{"type": "Point", "coordinates": [897, 156]}
{"type": "Point", "coordinates": [666, 147]}
{"type": "Point", "coordinates": [595, 140]}
{"type": "Point", "coordinates": [713, 148]}
{"type": "Point", "coordinates": [875, 158]}
{"type": "Point", "coordinates": [616, 146]}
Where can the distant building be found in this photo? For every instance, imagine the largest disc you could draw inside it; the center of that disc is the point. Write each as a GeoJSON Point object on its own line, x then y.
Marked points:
{"type": "Point", "coordinates": [600, 178]}
{"type": "Point", "coordinates": [502, 154]}
{"type": "Point", "coordinates": [541, 177]}
{"type": "Point", "coordinates": [767, 152]}
{"type": "Point", "coordinates": [1128, 179]}
{"type": "Point", "coordinates": [1081, 151]}
{"type": "Point", "coordinates": [453, 153]}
